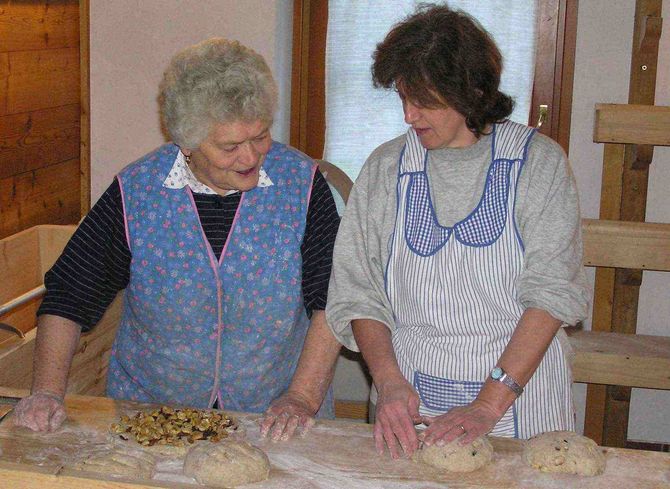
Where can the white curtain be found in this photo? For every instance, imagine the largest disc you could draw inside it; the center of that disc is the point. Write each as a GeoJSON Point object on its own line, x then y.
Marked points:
{"type": "Point", "coordinates": [358, 117]}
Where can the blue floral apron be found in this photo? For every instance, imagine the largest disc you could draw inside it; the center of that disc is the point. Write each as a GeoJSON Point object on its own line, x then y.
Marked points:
{"type": "Point", "coordinates": [196, 329]}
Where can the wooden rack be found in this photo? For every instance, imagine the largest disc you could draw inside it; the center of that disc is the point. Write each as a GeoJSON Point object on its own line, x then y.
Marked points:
{"type": "Point", "coordinates": [610, 358]}
{"type": "Point", "coordinates": [623, 250]}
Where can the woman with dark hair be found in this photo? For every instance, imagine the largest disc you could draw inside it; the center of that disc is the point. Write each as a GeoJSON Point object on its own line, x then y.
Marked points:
{"type": "Point", "coordinates": [467, 231]}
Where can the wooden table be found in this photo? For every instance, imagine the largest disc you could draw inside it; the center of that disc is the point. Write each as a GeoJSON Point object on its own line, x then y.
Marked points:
{"type": "Point", "coordinates": [335, 454]}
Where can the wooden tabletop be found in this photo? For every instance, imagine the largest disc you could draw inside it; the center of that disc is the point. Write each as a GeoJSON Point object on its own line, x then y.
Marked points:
{"type": "Point", "coordinates": [334, 454]}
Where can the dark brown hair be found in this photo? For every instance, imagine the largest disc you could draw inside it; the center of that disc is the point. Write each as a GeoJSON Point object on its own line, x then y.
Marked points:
{"type": "Point", "coordinates": [438, 56]}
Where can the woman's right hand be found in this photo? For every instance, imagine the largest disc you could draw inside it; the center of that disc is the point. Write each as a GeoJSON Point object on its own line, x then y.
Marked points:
{"type": "Point", "coordinates": [396, 414]}
{"type": "Point", "coordinates": [41, 411]}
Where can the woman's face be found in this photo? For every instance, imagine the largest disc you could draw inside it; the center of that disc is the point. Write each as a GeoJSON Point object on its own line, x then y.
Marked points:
{"type": "Point", "coordinates": [231, 155]}
{"type": "Point", "coordinates": [437, 128]}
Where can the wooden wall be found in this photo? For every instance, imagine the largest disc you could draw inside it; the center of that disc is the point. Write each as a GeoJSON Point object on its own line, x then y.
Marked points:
{"type": "Point", "coordinates": [39, 114]}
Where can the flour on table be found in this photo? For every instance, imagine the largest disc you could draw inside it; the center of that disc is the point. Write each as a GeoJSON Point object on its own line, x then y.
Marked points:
{"type": "Point", "coordinates": [131, 464]}
{"type": "Point", "coordinates": [226, 464]}
{"type": "Point", "coordinates": [564, 451]}
{"type": "Point", "coordinates": [456, 458]}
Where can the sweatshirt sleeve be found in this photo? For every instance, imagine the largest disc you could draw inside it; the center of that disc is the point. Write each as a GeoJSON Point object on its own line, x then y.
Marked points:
{"type": "Point", "coordinates": [548, 220]}
{"type": "Point", "coordinates": [356, 289]}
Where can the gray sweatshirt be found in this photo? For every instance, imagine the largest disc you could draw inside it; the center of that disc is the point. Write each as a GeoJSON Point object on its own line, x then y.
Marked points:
{"type": "Point", "coordinates": [546, 214]}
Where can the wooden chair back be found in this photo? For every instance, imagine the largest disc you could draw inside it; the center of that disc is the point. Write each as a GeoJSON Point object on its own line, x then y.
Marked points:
{"type": "Point", "coordinates": [337, 178]}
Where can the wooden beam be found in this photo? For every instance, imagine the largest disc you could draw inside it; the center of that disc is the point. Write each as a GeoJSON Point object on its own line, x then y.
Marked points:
{"type": "Point", "coordinates": [632, 124]}
{"type": "Point", "coordinates": [37, 477]}
{"type": "Point", "coordinates": [351, 409]}
{"type": "Point", "coordinates": [85, 104]}
{"type": "Point", "coordinates": [623, 244]}
{"type": "Point", "coordinates": [621, 359]}
{"type": "Point", "coordinates": [556, 35]}
{"type": "Point", "coordinates": [308, 75]}
{"type": "Point", "coordinates": [565, 70]}
{"type": "Point", "coordinates": [614, 157]}
{"type": "Point", "coordinates": [299, 73]}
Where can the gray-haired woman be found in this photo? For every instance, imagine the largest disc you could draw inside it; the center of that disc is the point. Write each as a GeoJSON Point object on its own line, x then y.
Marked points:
{"type": "Point", "coordinates": [222, 240]}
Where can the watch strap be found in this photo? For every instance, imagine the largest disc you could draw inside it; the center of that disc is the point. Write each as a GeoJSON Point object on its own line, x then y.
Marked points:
{"type": "Point", "coordinates": [499, 375]}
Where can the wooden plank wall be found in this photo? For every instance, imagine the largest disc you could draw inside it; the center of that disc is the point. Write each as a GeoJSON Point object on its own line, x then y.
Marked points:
{"type": "Point", "coordinates": [39, 114]}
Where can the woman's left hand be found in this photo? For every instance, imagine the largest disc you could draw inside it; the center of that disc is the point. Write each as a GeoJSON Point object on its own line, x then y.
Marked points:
{"type": "Point", "coordinates": [285, 415]}
{"type": "Point", "coordinates": [467, 422]}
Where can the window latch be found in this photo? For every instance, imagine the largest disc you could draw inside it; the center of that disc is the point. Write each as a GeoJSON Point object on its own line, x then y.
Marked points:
{"type": "Point", "coordinates": [544, 113]}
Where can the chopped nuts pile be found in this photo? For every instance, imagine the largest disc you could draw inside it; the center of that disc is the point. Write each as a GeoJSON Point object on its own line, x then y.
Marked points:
{"type": "Point", "coordinates": [168, 426]}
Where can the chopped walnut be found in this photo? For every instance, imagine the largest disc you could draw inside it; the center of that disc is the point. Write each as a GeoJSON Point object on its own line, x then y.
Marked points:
{"type": "Point", "coordinates": [169, 426]}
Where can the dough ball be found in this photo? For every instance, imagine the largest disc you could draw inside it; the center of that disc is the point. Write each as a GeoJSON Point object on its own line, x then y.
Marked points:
{"type": "Point", "coordinates": [133, 465]}
{"type": "Point", "coordinates": [564, 451]}
{"type": "Point", "coordinates": [456, 458]}
{"type": "Point", "coordinates": [226, 464]}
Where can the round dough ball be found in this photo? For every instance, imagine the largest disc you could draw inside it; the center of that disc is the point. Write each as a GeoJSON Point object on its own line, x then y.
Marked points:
{"type": "Point", "coordinates": [456, 458]}
{"type": "Point", "coordinates": [564, 451]}
{"type": "Point", "coordinates": [134, 465]}
{"type": "Point", "coordinates": [226, 464]}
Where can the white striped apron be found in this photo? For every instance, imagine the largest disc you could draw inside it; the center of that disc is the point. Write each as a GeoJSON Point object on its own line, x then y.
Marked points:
{"type": "Point", "coordinates": [453, 293]}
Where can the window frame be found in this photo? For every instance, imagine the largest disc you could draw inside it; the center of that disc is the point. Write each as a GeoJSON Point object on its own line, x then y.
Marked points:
{"type": "Point", "coordinates": [552, 85]}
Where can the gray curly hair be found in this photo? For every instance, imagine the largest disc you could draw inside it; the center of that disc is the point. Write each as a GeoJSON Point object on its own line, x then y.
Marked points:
{"type": "Point", "coordinates": [214, 81]}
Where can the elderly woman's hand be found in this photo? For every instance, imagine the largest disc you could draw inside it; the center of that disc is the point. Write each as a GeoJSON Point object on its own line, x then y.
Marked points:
{"type": "Point", "coordinates": [286, 414]}
{"type": "Point", "coordinates": [467, 422]}
{"type": "Point", "coordinates": [396, 414]}
{"type": "Point", "coordinates": [41, 411]}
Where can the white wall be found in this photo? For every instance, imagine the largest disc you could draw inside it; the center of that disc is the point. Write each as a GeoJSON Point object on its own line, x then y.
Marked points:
{"type": "Point", "coordinates": [602, 70]}
{"type": "Point", "coordinates": [132, 42]}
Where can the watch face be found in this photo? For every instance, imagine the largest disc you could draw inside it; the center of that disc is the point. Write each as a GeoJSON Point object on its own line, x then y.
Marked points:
{"type": "Point", "coordinates": [496, 373]}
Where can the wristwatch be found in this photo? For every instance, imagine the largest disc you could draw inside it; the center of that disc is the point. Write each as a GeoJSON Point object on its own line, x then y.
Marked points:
{"type": "Point", "coordinates": [499, 375]}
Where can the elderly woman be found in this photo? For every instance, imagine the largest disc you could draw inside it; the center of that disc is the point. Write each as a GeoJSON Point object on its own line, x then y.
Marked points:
{"type": "Point", "coordinates": [222, 241]}
{"type": "Point", "coordinates": [459, 256]}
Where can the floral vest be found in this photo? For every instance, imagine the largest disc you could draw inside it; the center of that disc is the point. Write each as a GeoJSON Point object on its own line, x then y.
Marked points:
{"type": "Point", "coordinates": [195, 328]}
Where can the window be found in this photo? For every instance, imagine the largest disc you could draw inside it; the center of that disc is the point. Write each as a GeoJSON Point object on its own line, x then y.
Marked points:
{"type": "Point", "coordinates": [543, 41]}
